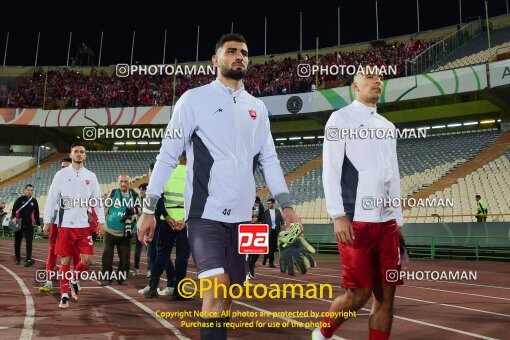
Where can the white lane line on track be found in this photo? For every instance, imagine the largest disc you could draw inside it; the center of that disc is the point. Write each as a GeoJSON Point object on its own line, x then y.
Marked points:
{"type": "Point", "coordinates": [449, 291]}
{"type": "Point", "coordinates": [450, 282]}
{"type": "Point", "coordinates": [454, 306]}
{"type": "Point", "coordinates": [397, 317]}
{"type": "Point", "coordinates": [405, 286]}
{"type": "Point", "coordinates": [149, 311]}
{"type": "Point", "coordinates": [28, 324]}
{"type": "Point", "coordinates": [476, 285]}
{"type": "Point", "coordinates": [236, 302]}
{"type": "Point", "coordinates": [162, 321]}
{"type": "Point", "coordinates": [279, 317]}
{"type": "Point", "coordinates": [409, 319]}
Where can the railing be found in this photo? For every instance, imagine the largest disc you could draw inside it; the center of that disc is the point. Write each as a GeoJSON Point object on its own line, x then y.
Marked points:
{"type": "Point", "coordinates": [441, 218]}
{"type": "Point", "coordinates": [472, 247]}
{"type": "Point", "coordinates": [435, 217]}
{"type": "Point", "coordinates": [435, 247]}
{"type": "Point", "coordinates": [443, 48]}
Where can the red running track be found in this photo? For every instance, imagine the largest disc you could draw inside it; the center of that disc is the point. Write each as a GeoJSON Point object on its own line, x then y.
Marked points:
{"type": "Point", "coordinates": [423, 309]}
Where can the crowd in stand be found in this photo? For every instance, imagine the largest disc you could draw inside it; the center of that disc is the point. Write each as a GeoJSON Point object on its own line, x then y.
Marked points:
{"type": "Point", "coordinates": [65, 88]}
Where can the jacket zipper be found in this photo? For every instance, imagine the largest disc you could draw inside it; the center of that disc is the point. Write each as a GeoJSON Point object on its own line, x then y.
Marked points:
{"type": "Point", "coordinates": [380, 166]}
{"type": "Point", "coordinates": [237, 138]}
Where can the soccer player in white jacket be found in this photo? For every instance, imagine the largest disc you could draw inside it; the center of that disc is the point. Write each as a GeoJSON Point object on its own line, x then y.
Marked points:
{"type": "Point", "coordinates": [226, 135]}
{"type": "Point", "coordinates": [358, 173]}
{"type": "Point", "coordinates": [73, 190]}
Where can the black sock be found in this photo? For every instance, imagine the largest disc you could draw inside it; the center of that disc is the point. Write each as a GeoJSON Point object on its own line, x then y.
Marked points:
{"type": "Point", "coordinates": [154, 283]}
{"type": "Point", "coordinates": [216, 331]}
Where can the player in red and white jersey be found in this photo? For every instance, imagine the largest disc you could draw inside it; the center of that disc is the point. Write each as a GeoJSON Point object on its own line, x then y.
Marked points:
{"type": "Point", "coordinates": [51, 231]}
{"type": "Point", "coordinates": [74, 189]}
{"type": "Point", "coordinates": [357, 173]}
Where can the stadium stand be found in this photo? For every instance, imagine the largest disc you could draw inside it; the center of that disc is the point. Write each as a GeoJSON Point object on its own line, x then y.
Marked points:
{"type": "Point", "coordinates": [424, 161]}
{"type": "Point", "coordinates": [17, 154]}
{"type": "Point", "coordinates": [291, 158]}
{"type": "Point", "coordinates": [107, 165]}
{"type": "Point", "coordinates": [476, 51]}
{"type": "Point", "coordinates": [15, 163]}
{"type": "Point", "coordinates": [267, 76]}
{"type": "Point", "coordinates": [421, 162]}
{"type": "Point", "coordinates": [492, 182]}
{"type": "Point", "coordinates": [67, 88]}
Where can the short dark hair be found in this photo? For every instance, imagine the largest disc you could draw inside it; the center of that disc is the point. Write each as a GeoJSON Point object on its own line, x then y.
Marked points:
{"type": "Point", "coordinates": [229, 37]}
{"type": "Point", "coordinates": [271, 200]}
{"type": "Point", "coordinates": [75, 144]}
{"type": "Point", "coordinates": [478, 196]}
{"type": "Point", "coordinates": [257, 199]}
{"type": "Point", "coordinates": [67, 159]}
{"type": "Point", "coordinates": [151, 166]}
{"type": "Point", "coordinates": [29, 186]}
{"type": "Point", "coordinates": [143, 186]}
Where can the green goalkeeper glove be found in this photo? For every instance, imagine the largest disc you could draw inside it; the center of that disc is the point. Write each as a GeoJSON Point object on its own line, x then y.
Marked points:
{"type": "Point", "coordinates": [294, 251]}
{"type": "Point", "coordinates": [295, 256]}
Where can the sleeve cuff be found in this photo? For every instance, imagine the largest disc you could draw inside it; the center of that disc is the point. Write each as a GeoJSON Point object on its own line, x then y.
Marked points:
{"type": "Point", "coordinates": [284, 200]}
{"type": "Point", "coordinates": [151, 207]}
{"type": "Point", "coordinates": [334, 217]}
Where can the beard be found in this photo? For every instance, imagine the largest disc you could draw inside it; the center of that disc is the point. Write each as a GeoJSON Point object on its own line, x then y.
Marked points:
{"type": "Point", "coordinates": [374, 99]}
{"type": "Point", "coordinates": [233, 74]}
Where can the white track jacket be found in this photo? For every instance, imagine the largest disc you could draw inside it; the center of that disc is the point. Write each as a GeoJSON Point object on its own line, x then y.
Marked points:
{"type": "Point", "coordinates": [225, 135]}
{"type": "Point", "coordinates": [74, 192]}
{"type": "Point", "coordinates": [359, 172]}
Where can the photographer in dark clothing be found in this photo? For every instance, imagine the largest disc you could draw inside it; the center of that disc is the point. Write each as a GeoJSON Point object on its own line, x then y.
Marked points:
{"type": "Point", "coordinates": [25, 213]}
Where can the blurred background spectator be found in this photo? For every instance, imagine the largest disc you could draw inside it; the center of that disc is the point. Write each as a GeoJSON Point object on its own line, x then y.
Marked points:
{"type": "Point", "coordinates": [66, 88]}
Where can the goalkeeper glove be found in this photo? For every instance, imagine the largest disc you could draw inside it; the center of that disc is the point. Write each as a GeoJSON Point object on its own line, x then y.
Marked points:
{"type": "Point", "coordinates": [294, 251]}
{"type": "Point", "coordinates": [295, 255]}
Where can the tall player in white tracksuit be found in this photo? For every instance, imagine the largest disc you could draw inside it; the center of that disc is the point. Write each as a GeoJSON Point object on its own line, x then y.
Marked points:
{"type": "Point", "coordinates": [72, 190]}
{"type": "Point", "coordinates": [358, 173]}
{"type": "Point", "coordinates": [226, 135]}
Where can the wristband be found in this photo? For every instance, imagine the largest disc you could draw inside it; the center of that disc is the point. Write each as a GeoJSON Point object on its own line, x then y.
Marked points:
{"type": "Point", "coordinates": [147, 211]}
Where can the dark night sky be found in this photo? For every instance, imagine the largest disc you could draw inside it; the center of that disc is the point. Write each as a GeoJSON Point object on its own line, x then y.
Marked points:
{"type": "Point", "coordinates": [86, 19]}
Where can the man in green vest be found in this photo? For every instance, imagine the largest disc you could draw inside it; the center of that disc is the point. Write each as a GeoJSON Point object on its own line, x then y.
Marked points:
{"type": "Point", "coordinates": [482, 209]}
{"type": "Point", "coordinates": [172, 229]}
{"type": "Point", "coordinates": [120, 227]}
